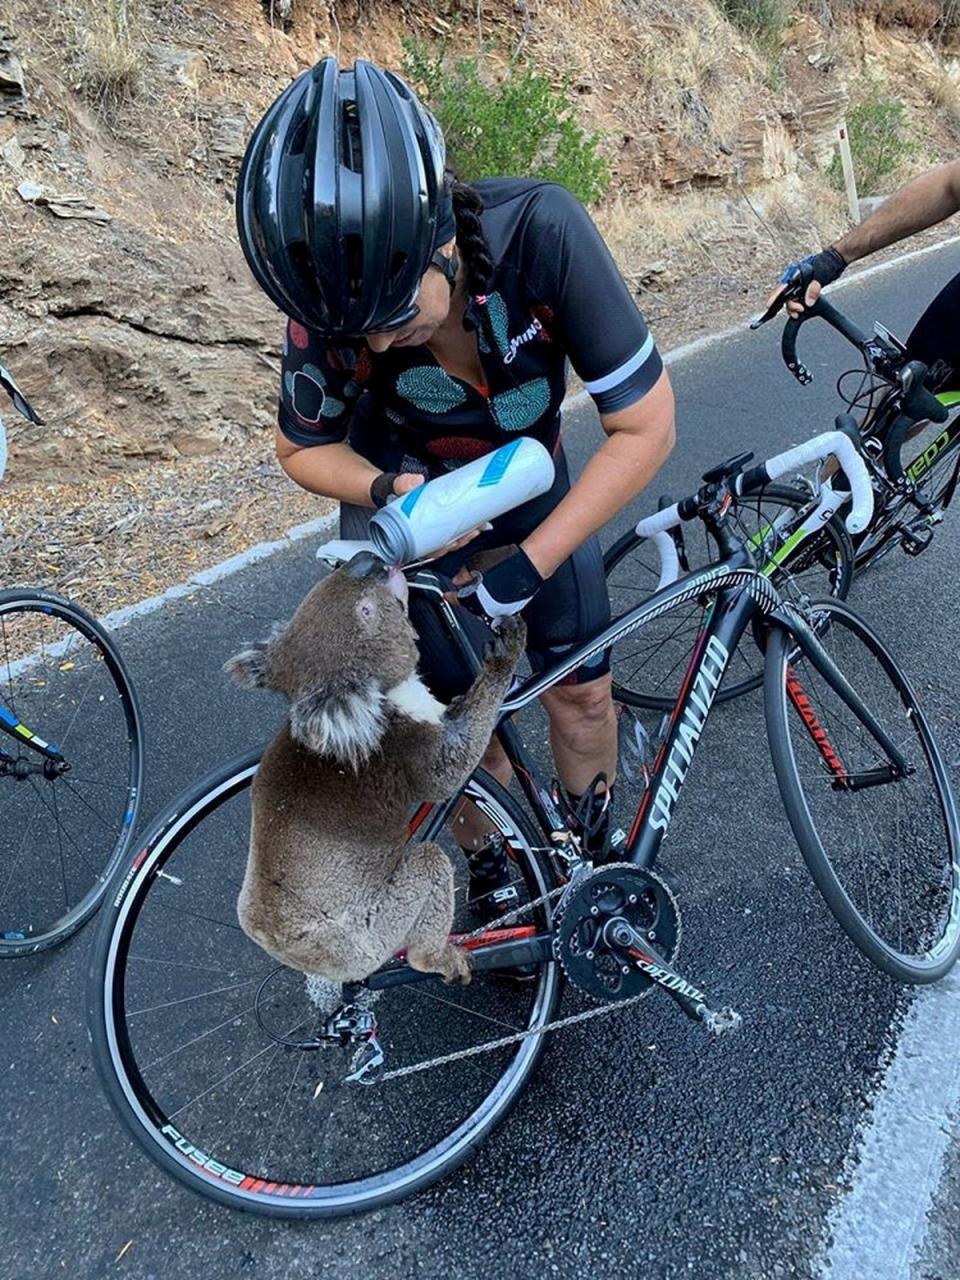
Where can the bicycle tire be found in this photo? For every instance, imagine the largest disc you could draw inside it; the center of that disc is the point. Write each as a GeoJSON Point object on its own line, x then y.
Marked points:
{"type": "Point", "coordinates": [891, 699]}
{"type": "Point", "coordinates": [645, 691]}
{"type": "Point", "coordinates": [914, 461]}
{"type": "Point", "coordinates": [81, 678]}
{"type": "Point", "coordinates": [143, 1114]}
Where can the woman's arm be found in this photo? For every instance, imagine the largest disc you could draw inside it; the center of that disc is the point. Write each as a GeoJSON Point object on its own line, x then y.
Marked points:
{"type": "Point", "coordinates": [332, 470]}
{"type": "Point", "coordinates": [641, 438]}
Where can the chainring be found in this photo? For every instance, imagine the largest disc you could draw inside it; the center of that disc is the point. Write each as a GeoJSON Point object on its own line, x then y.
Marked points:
{"type": "Point", "coordinates": [618, 889]}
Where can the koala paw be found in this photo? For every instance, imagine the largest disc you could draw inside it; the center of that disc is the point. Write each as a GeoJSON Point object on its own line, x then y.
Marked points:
{"type": "Point", "coordinates": [456, 968]}
{"type": "Point", "coordinates": [506, 648]}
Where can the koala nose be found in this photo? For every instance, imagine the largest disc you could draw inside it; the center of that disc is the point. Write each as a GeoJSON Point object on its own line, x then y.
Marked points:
{"type": "Point", "coordinates": [366, 565]}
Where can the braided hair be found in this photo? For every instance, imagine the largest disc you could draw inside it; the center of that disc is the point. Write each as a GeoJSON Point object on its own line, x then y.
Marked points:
{"type": "Point", "coordinates": [471, 244]}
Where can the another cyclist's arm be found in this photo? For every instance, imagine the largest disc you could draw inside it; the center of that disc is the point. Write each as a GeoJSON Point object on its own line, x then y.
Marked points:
{"type": "Point", "coordinates": [640, 439]}
{"type": "Point", "coordinates": [922, 203]}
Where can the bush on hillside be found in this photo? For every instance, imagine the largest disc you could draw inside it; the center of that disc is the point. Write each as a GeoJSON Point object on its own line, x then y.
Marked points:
{"type": "Point", "coordinates": [519, 126]}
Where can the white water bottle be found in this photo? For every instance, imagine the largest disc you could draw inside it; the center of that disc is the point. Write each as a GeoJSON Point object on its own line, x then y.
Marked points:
{"type": "Point", "coordinates": [442, 510]}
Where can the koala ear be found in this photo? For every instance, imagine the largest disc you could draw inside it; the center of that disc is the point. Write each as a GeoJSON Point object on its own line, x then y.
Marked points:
{"type": "Point", "coordinates": [251, 668]}
{"type": "Point", "coordinates": [344, 719]}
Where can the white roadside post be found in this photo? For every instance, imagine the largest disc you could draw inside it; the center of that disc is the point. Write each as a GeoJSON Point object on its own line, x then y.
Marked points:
{"type": "Point", "coordinates": [849, 177]}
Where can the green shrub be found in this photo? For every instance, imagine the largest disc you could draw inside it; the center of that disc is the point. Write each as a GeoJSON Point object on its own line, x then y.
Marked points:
{"type": "Point", "coordinates": [762, 20]}
{"type": "Point", "coordinates": [518, 127]}
{"type": "Point", "coordinates": [879, 141]}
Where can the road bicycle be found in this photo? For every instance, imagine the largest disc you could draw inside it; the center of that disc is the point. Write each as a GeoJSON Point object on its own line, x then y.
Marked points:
{"type": "Point", "coordinates": [269, 1091]}
{"type": "Point", "coordinates": [71, 760]}
{"type": "Point", "coordinates": [910, 436]}
{"type": "Point", "coordinates": [909, 425]}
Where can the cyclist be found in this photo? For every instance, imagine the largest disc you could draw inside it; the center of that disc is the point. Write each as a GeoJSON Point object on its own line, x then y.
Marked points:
{"type": "Point", "coordinates": [430, 322]}
{"type": "Point", "coordinates": [926, 200]}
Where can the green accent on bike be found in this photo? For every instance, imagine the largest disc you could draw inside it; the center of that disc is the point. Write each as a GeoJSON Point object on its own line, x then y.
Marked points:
{"type": "Point", "coordinates": [923, 461]}
{"type": "Point", "coordinates": [781, 553]}
{"type": "Point", "coordinates": [949, 398]}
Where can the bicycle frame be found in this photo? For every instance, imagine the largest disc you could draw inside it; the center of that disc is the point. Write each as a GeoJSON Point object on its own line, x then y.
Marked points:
{"type": "Point", "coordinates": [12, 725]}
{"type": "Point", "coordinates": [741, 595]}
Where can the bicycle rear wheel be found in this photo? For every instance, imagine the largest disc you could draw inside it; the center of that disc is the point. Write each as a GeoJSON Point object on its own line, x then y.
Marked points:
{"type": "Point", "coordinates": [175, 986]}
{"type": "Point", "coordinates": [882, 851]}
{"type": "Point", "coordinates": [65, 823]}
{"type": "Point", "coordinates": [649, 666]}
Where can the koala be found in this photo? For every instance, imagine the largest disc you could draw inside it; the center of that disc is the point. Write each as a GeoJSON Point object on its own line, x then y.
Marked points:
{"type": "Point", "coordinates": [332, 886]}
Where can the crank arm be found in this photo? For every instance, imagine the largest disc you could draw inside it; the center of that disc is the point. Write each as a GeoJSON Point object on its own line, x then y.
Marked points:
{"type": "Point", "coordinates": [618, 933]}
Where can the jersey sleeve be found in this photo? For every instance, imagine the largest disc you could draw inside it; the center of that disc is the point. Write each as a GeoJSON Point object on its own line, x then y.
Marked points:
{"type": "Point", "coordinates": [320, 385]}
{"type": "Point", "coordinates": [593, 312]}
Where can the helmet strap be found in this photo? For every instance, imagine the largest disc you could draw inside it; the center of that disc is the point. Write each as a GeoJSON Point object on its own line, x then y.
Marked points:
{"type": "Point", "coordinates": [449, 266]}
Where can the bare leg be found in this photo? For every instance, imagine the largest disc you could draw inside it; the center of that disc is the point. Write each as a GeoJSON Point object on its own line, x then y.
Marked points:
{"type": "Point", "coordinates": [583, 732]}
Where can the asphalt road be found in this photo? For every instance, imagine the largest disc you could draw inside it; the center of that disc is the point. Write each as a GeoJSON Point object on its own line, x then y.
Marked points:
{"type": "Point", "coordinates": [641, 1147]}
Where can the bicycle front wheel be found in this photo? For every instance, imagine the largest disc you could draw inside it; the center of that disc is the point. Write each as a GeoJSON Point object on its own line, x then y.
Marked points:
{"type": "Point", "coordinates": [649, 666]}
{"type": "Point", "coordinates": [880, 842]}
{"type": "Point", "coordinates": [71, 766]}
{"type": "Point", "coordinates": [184, 1031]}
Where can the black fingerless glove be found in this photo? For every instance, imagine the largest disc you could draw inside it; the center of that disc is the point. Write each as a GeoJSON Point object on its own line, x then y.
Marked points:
{"type": "Point", "coordinates": [381, 491]}
{"type": "Point", "coordinates": [824, 267]}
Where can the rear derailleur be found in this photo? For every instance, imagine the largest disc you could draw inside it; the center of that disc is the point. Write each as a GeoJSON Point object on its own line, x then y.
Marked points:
{"type": "Point", "coordinates": [350, 1026]}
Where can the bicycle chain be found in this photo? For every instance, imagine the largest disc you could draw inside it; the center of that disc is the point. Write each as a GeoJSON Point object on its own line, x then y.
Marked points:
{"type": "Point", "coordinates": [557, 1025]}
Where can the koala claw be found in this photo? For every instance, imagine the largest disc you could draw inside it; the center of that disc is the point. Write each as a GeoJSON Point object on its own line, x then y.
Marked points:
{"type": "Point", "coordinates": [508, 642]}
{"type": "Point", "coordinates": [456, 967]}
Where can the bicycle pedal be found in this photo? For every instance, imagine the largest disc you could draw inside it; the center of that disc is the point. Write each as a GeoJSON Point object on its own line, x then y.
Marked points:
{"type": "Point", "coordinates": [916, 539]}
{"type": "Point", "coordinates": [719, 1022]}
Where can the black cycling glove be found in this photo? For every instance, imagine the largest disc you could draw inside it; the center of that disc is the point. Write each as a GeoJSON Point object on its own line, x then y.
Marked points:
{"type": "Point", "coordinates": [824, 267]}
{"type": "Point", "coordinates": [506, 588]}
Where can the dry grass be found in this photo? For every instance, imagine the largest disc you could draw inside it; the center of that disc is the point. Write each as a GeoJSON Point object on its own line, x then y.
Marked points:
{"type": "Point", "coordinates": [944, 93]}
{"type": "Point", "coordinates": [110, 51]}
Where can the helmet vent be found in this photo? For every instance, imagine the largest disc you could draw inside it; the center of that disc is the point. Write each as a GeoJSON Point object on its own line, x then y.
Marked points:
{"type": "Point", "coordinates": [397, 265]}
{"type": "Point", "coordinates": [352, 151]}
{"type": "Point", "coordinates": [353, 249]}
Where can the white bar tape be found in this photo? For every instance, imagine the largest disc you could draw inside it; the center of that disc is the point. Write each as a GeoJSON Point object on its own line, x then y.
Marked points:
{"type": "Point", "coordinates": [820, 447]}
{"type": "Point", "coordinates": [825, 445]}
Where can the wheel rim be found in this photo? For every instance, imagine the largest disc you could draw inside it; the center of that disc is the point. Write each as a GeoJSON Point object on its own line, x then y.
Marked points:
{"type": "Point", "coordinates": [64, 832]}
{"type": "Point", "coordinates": [322, 1175]}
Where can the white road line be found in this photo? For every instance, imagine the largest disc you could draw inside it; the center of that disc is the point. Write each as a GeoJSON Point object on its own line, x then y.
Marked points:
{"type": "Point", "coordinates": [119, 617]}
{"type": "Point", "coordinates": [877, 1230]}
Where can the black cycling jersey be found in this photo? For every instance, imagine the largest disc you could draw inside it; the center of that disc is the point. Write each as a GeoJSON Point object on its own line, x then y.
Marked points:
{"type": "Point", "coordinates": [556, 294]}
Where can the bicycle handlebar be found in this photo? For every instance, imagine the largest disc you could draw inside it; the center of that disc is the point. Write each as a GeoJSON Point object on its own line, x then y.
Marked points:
{"type": "Point", "coordinates": [657, 527]}
{"type": "Point", "coordinates": [836, 319]}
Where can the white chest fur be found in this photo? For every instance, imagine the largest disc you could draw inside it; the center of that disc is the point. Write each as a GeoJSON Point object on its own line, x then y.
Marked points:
{"type": "Point", "coordinates": [413, 699]}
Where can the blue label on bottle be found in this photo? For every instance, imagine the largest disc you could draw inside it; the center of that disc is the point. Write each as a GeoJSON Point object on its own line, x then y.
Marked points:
{"type": "Point", "coordinates": [497, 466]}
{"type": "Point", "coordinates": [411, 500]}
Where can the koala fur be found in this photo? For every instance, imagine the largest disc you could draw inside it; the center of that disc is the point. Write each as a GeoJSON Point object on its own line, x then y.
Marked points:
{"type": "Point", "coordinates": [332, 886]}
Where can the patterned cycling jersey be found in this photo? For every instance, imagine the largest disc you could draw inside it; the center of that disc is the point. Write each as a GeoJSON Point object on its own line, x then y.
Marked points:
{"type": "Point", "coordinates": [556, 294]}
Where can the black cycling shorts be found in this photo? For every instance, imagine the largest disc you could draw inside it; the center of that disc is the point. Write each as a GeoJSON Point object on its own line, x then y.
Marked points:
{"type": "Point", "coordinates": [936, 335]}
{"type": "Point", "coordinates": [569, 608]}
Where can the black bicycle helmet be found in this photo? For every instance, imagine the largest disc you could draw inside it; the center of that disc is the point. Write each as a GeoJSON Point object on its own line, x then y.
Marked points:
{"type": "Point", "coordinates": [340, 199]}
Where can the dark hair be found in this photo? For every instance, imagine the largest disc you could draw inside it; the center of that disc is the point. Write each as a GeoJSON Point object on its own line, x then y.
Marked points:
{"type": "Point", "coordinates": [471, 244]}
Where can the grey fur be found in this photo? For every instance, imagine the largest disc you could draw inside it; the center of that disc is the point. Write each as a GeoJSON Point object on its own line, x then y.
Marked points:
{"type": "Point", "coordinates": [332, 886]}
{"type": "Point", "coordinates": [345, 723]}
